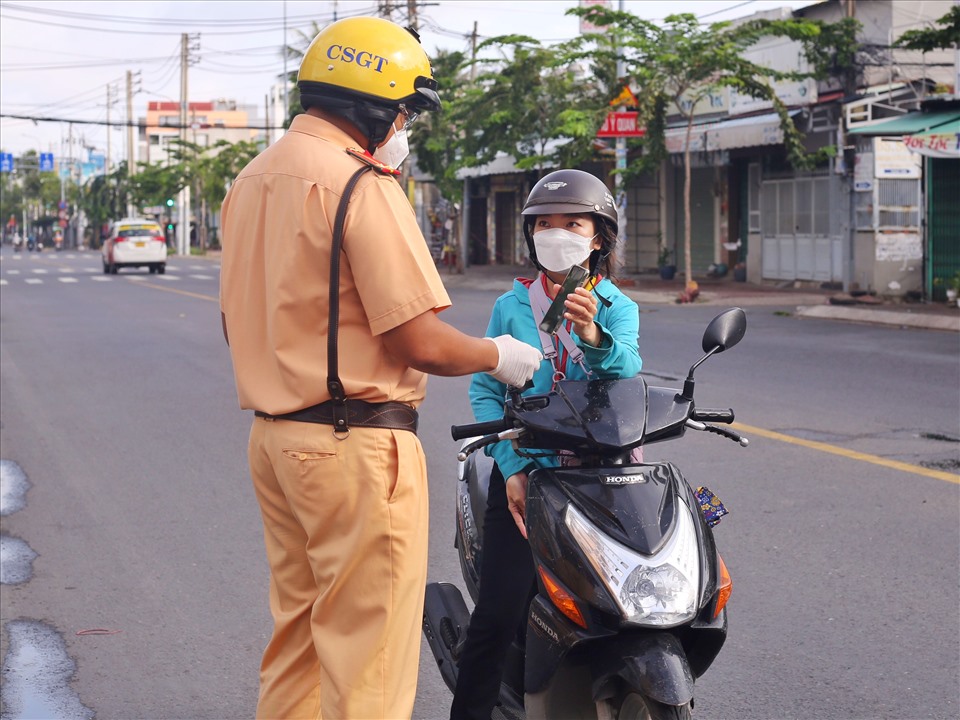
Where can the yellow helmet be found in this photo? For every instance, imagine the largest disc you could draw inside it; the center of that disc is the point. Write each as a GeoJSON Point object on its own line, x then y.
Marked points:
{"type": "Point", "coordinates": [371, 59]}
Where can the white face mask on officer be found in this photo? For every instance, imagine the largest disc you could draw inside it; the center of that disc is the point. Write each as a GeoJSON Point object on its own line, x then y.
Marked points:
{"type": "Point", "coordinates": [558, 249]}
{"type": "Point", "coordinates": [395, 150]}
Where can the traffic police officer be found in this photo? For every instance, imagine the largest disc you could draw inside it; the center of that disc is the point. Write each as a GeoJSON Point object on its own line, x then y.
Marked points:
{"type": "Point", "coordinates": [331, 336]}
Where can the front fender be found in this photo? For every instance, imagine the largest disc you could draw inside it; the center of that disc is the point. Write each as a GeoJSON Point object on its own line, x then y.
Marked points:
{"type": "Point", "coordinates": [655, 664]}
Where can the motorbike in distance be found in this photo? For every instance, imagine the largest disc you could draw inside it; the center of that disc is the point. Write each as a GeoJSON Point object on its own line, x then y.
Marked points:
{"type": "Point", "coordinates": [631, 595]}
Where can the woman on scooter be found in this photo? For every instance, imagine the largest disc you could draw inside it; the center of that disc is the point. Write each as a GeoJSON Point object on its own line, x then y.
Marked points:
{"type": "Point", "coordinates": [569, 219]}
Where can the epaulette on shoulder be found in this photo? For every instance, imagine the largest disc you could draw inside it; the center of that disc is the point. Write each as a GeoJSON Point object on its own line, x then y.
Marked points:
{"type": "Point", "coordinates": [372, 162]}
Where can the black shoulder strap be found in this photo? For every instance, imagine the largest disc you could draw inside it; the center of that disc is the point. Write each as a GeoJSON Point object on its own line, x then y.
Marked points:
{"type": "Point", "coordinates": [333, 379]}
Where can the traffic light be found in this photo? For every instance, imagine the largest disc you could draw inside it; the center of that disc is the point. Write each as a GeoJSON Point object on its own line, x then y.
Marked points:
{"type": "Point", "coordinates": [170, 202]}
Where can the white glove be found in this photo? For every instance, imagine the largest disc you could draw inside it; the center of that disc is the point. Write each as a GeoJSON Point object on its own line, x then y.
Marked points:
{"type": "Point", "coordinates": [518, 361]}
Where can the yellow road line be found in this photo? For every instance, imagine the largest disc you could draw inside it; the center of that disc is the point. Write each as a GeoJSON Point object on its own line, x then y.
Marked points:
{"type": "Point", "coordinates": [852, 454]}
{"type": "Point", "coordinates": [198, 296]}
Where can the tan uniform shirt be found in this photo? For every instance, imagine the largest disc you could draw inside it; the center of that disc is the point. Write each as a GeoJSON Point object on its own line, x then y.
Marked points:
{"type": "Point", "coordinates": [277, 227]}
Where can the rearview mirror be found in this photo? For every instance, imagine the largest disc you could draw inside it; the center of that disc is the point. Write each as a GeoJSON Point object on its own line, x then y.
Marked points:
{"type": "Point", "coordinates": [725, 330]}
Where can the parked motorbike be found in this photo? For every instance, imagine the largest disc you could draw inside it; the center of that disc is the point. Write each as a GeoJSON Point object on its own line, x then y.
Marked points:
{"type": "Point", "coordinates": [17, 243]}
{"type": "Point", "coordinates": [631, 591]}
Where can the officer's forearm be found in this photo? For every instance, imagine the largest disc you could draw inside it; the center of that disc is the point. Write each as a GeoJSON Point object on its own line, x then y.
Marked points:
{"type": "Point", "coordinates": [430, 345]}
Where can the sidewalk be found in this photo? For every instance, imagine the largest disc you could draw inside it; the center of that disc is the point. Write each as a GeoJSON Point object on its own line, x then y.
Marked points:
{"type": "Point", "coordinates": [724, 292]}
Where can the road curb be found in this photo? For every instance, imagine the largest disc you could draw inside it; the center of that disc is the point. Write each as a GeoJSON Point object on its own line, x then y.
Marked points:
{"type": "Point", "coordinates": [884, 317]}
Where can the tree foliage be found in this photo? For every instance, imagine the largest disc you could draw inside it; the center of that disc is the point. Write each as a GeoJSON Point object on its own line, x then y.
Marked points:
{"type": "Point", "coordinates": [679, 63]}
{"type": "Point", "coordinates": [938, 38]}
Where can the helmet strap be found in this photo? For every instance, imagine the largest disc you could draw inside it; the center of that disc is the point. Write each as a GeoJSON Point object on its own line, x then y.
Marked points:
{"type": "Point", "coordinates": [531, 248]}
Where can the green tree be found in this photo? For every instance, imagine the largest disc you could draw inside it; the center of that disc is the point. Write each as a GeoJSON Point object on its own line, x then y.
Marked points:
{"type": "Point", "coordinates": [680, 63]}
{"type": "Point", "coordinates": [527, 101]}
{"type": "Point", "coordinates": [207, 171]}
{"type": "Point", "coordinates": [936, 38]}
{"type": "Point", "coordinates": [436, 138]}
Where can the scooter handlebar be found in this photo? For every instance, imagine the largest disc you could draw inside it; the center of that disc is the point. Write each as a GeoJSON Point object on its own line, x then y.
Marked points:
{"type": "Point", "coordinates": [492, 427]}
{"type": "Point", "coordinates": [713, 415]}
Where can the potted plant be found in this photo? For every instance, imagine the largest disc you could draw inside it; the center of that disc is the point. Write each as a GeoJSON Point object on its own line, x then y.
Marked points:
{"type": "Point", "coordinates": [665, 264]}
{"type": "Point", "coordinates": [740, 272]}
{"type": "Point", "coordinates": [953, 288]}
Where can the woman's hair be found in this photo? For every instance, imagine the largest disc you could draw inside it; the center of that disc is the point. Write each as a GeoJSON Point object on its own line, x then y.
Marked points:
{"type": "Point", "coordinates": [607, 233]}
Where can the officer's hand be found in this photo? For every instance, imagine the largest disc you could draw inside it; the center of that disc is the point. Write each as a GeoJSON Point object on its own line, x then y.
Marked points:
{"type": "Point", "coordinates": [518, 361]}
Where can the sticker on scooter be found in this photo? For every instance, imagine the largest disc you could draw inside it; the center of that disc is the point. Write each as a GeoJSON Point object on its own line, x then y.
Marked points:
{"type": "Point", "coordinates": [710, 506]}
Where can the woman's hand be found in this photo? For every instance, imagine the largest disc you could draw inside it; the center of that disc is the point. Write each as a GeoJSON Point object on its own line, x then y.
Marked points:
{"type": "Point", "coordinates": [581, 310]}
{"type": "Point", "coordinates": [517, 500]}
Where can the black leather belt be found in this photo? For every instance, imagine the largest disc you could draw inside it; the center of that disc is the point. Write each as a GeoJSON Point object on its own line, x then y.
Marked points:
{"type": "Point", "coordinates": [392, 415]}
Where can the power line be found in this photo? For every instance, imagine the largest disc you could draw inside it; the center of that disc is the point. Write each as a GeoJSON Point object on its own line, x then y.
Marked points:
{"type": "Point", "coordinates": [134, 20]}
{"type": "Point", "coordinates": [68, 66]}
{"type": "Point", "coordinates": [124, 31]}
{"type": "Point", "coordinates": [139, 124]}
{"type": "Point", "coordinates": [727, 9]}
{"type": "Point", "coordinates": [274, 27]}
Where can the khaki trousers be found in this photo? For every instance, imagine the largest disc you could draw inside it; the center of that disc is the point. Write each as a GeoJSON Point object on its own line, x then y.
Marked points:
{"type": "Point", "coordinates": [345, 525]}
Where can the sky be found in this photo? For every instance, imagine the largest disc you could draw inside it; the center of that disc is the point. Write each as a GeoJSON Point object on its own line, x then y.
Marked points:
{"type": "Point", "coordinates": [65, 59]}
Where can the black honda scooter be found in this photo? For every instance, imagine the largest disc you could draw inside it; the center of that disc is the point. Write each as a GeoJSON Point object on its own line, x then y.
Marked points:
{"type": "Point", "coordinates": [630, 607]}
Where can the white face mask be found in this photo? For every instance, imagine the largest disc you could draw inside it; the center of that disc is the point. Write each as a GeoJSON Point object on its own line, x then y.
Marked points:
{"type": "Point", "coordinates": [395, 150]}
{"type": "Point", "coordinates": [559, 250]}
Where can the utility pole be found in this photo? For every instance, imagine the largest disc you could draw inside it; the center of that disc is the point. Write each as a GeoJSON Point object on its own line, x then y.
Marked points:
{"type": "Point", "coordinates": [286, 78]}
{"type": "Point", "coordinates": [106, 167]}
{"type": "Point", "coordinates": [473, 53]}
{"type": "Point", "coordinates": [463, 260]}
{"type": "Point", "coordinates": [849, 154]}
{"type": "Point", "coordinates": [412, 15]}
{"type": "Point", "coordinates": [621, 156]}
{"type": "Point", "coordinates": [266, 114]}
{"type": "Point", "coordinates": [129, 136]}
{"type": "Point", "coordinates": [183, 202]}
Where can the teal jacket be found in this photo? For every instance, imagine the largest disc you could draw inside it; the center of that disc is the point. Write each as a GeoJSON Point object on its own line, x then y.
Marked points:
{"type": "Point", "coordinates": [617, 357]}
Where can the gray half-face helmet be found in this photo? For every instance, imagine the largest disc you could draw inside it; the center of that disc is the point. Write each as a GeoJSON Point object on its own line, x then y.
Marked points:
{"type": "Point", "coordinates": [566, 191]}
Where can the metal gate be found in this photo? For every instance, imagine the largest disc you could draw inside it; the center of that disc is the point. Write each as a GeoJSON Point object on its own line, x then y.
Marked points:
{"type": "Point", "coordinates": [943, 218]}
{"type": "Point", "coordinates": [800, 229]}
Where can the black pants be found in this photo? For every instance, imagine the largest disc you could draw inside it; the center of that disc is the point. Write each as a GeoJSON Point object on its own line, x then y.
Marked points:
{"type": "Point", "coordinates": [506, 587]}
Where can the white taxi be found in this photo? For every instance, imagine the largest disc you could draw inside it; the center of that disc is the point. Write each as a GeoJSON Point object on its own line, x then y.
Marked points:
{"type": "Point", "coordinates": [134, 242]}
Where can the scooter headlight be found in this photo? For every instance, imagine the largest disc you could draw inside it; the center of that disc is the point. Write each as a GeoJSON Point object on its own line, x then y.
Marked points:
{"type": "Point", "coordinates": [660, 589]}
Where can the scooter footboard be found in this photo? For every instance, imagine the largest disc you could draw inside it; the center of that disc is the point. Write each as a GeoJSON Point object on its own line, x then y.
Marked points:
{"type": "Point", "coordinates": [445, 620]}
{"type": "Point", "coordinates": [655, 664]}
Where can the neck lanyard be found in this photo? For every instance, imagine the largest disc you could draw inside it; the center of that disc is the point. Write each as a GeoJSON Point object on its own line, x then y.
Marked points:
{"type": "Point", "coordinates": [539, 303]}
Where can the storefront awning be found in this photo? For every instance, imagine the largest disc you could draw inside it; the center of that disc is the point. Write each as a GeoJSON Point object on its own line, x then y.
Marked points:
{"type": "Point", "coordinates": [941, 142]}
{"type": "Point", "coordinates": [913, 122]}
{"type": "Point", "coordinates": [751, 131]}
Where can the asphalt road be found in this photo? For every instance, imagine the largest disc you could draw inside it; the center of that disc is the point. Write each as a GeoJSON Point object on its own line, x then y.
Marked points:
{"type": "Point", "coordinates": [118, 404]}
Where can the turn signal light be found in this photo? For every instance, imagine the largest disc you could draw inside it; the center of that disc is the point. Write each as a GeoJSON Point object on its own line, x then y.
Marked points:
{"type": "Point", "coordinates": [726, 586]}
{"type": "Point", "coordinates": [561, 599]}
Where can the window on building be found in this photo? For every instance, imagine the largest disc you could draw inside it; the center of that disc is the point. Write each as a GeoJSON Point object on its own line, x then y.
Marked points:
{"type": "Point", "coordinates": [898, 203]}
